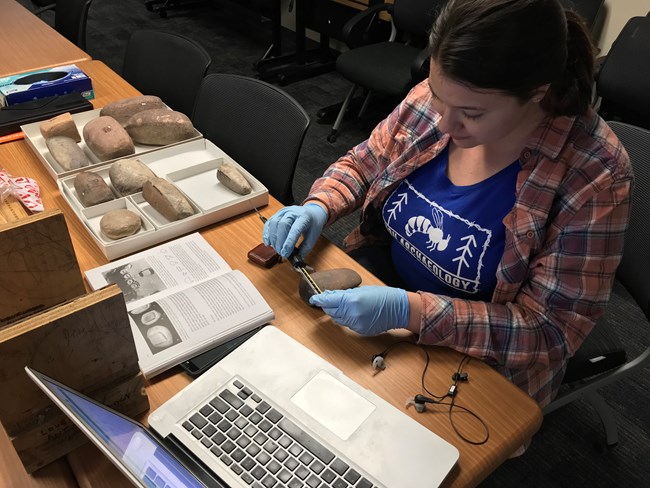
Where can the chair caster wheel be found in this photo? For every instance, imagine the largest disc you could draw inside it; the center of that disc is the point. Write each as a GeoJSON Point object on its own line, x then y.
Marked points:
{"type": "Point", "coordinates": [331, 138]}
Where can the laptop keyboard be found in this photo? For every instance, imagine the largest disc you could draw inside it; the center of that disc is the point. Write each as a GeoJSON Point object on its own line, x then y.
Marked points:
{"type": "Point", "coordinates": [152, 479]}
{"type": "Point", "coordinates": [263, 447]}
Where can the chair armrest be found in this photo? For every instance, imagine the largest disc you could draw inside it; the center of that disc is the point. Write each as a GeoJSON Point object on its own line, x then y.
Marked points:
{"type": "Point", "coordinates": [354, 23]}
{"type": "Point", "coordinates": [39, 11]}
{"type": "Point", "coordinates": [420, 66]}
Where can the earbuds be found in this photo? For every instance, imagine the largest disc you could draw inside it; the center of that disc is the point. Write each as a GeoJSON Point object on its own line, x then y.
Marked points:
{"type": "Point", "coordinates": [448, 399]}
{"type": "Point", "coordinates": [378, 363]}
{"type": "Point", "coordinates": [462, 377]}
{"type": "Point", "coordinates": [419, 401]}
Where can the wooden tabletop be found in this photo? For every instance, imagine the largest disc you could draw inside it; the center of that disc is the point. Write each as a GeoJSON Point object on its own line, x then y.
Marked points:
{"type": "Point", "coordinates": [511, 416]}
{"type": "Point", "coordinates": [27, 43]}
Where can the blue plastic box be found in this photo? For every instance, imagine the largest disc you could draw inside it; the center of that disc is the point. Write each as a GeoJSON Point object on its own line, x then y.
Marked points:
{"type": "Point", "coordinates": [59, 80]}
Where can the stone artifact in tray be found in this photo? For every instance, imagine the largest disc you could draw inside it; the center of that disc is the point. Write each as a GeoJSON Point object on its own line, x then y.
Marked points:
{"type": "Point", "coordinates": [128, 176]}
{"type": "Point", "coordinates": [92, 189]}
{"type": "Point", "coordinates": [233, 179]}
{"type": "Point", "coordinates": [61, 125]}
{"type": "Point", "coordinates": [67, 152]}
{"type": "Point", "coordinates": [117, 224]}
{"type": "Point", "coordinates": [166, 199]}
{"type": "Point", "coordinates": [107, 139]}
{"type": "Point", "coordinates": [159, 127]}
{"type": "Point", "coordinates": [122, 110]}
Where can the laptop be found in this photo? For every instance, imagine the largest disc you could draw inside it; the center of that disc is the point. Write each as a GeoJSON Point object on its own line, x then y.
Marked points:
{"type": "Point", "coordinates": [270, 414]}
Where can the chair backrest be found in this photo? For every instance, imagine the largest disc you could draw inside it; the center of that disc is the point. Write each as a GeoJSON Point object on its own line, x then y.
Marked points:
{"type": "Point", "coordinates": [70, 19]}
{"type": "Point", "coordinates": [634, 270]}
{"type": "Point", "coordinates": [415, 17]}
{"type": "Point", "coordinates": [170, 66]}
{"type": "Point", "coordinates": [257, 124]}
{"type": "Point", "coordinates": [623, 82]}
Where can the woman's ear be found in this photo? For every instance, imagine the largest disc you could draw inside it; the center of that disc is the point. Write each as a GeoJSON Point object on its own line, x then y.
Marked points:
{"type": "Point", "coordinates": [539, 93]}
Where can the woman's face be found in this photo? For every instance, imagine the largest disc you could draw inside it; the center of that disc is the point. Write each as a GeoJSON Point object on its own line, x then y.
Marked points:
{"type": "Point", "coordinates": [474, 117]}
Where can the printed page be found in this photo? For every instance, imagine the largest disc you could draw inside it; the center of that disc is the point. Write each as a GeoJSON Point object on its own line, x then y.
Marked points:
{"type": "Point", "coordinates": [179, 325]}
{"type": "Point", "coordinates": [170, 266]}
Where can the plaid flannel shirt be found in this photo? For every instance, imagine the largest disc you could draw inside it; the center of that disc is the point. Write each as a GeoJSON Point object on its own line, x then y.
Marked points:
{"type": "Point", "coordinates": [564, 237]}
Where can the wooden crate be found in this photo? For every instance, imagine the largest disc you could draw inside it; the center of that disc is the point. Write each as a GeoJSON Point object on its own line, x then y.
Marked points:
{"type": "Point", "coordinates": [86, 344]}
{"type": "Point", "coordinates": [38, 266]}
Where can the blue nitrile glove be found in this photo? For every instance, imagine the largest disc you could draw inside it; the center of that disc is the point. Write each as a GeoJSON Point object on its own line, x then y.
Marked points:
{"type": "Point", "coordinates": [283, 230]}
{"type": "Point", "coordinates": [367, 310]}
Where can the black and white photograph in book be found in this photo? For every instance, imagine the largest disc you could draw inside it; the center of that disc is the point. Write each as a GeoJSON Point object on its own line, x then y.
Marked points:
{"type": "Point", "coordinates": [155, 326]}
{"type": "Point", "coordinates": [136, 279]}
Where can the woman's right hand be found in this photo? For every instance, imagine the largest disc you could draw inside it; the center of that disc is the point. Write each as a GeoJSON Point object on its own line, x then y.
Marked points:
{"type": "Point", "coordinates": [283, 230]}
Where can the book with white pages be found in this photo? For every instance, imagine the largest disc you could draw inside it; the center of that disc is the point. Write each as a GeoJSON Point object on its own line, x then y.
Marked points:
{"type": "Point", "coordinates": [182, 299]}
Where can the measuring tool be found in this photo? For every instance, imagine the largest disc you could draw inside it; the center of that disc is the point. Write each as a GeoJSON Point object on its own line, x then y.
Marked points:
{"type": "Point", "coordinates": [12, 210]}
{"type": "Point", "coordinates": [297, 263]}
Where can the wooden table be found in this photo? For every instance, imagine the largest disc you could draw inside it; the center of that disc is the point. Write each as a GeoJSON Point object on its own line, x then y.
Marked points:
{"type": "Point", "coordinates": [511, 415]}
{"type": "Point", "coordinates": [27, 43]}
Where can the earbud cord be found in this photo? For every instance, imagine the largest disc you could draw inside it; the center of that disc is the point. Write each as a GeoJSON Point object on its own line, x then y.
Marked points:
{"type": "Point", "coordinates": [438, 399]}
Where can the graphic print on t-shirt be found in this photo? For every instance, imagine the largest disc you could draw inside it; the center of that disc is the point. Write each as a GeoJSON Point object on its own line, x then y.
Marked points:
{"type": "Point", "coordinates": [449, 247]}
{"type": "Point", "coordinates": [432, 228]}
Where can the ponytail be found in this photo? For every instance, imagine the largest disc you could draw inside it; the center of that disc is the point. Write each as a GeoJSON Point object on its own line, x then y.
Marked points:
{"type": "Point", "coordinates": [571, 94]}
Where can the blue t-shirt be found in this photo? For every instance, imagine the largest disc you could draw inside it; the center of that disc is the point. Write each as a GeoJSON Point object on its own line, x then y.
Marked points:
{"type": "Point", "coordinates": [449, 239]}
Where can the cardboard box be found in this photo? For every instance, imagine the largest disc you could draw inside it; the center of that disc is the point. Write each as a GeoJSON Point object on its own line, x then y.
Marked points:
{"type": "Point", "coordinates": [33, 85]}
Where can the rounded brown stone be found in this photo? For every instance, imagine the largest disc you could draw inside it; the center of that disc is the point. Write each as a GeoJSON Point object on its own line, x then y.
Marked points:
{"type": "Point", "coordinates": [117, 224]}
{"type": "Point", "coordinates": [122, 110]}
{"type": "Point", "coordinates": [331, 279]}
{"type": "Point", "coordinates": [159, 127]}
{"type": "Point", "coordinates": [107, 139]}
{"type": "Point", "coordinates": [92, 189]}
{"type": "Point", "coordinates": [128, 175]}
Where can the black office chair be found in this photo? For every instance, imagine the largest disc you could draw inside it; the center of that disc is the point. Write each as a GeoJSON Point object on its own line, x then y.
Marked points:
{"type": "Point", "coordinates": [70, 19]}
{"type": "Point", "coordinates": [257, 124]}
{"type": "Point", "coordinates": [391, 67]}
{"type": "Point", "coordinates": [623, 82]}
{"type": "Point", "coordinates": [601, 359]}
{"type": "Point", "coordinates": [167, 65]}
{"type": "Point", "coordinates": [166, 5]}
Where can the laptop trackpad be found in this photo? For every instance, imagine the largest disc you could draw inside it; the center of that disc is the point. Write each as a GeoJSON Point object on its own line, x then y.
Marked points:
{"type": "Point", "coordinates": [333, 404]}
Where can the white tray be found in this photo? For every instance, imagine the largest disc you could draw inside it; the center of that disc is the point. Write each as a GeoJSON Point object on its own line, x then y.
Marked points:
{"type": "Point", "coordinates": [37, 143]}
{"type": "Point", "coordinates": [192, 168]}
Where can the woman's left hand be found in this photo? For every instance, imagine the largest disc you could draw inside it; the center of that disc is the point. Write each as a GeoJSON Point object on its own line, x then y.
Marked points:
{"type": "Point", "coordinates": [367, 310]}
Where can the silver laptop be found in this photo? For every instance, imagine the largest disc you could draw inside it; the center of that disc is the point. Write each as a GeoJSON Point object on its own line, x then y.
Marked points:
{"type": "Point", "coordinates": [270, 414]}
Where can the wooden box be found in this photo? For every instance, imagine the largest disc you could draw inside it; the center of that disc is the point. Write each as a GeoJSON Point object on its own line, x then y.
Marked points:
{"type": "Point", "coordinates": [85, 344]}
{"type": "Point", "coordinates": [48, 322]}
{"type": "Point", "coordinates": [38, 266]}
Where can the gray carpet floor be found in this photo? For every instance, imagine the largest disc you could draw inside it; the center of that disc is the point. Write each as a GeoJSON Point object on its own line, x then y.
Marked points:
{"type": "Point", "coordinates": [568, 450]}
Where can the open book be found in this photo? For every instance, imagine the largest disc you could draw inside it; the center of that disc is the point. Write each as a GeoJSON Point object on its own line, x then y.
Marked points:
{"type": "Point", "coordinates": [182, 299]}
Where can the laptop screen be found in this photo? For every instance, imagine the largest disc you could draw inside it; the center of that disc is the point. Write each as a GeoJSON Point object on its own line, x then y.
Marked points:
{"type": "Point", "coordinates": [129, 442]}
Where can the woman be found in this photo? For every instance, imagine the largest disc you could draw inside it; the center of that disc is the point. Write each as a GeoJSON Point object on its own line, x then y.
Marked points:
{"type": "Point", "coordinates": [502, 198]}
